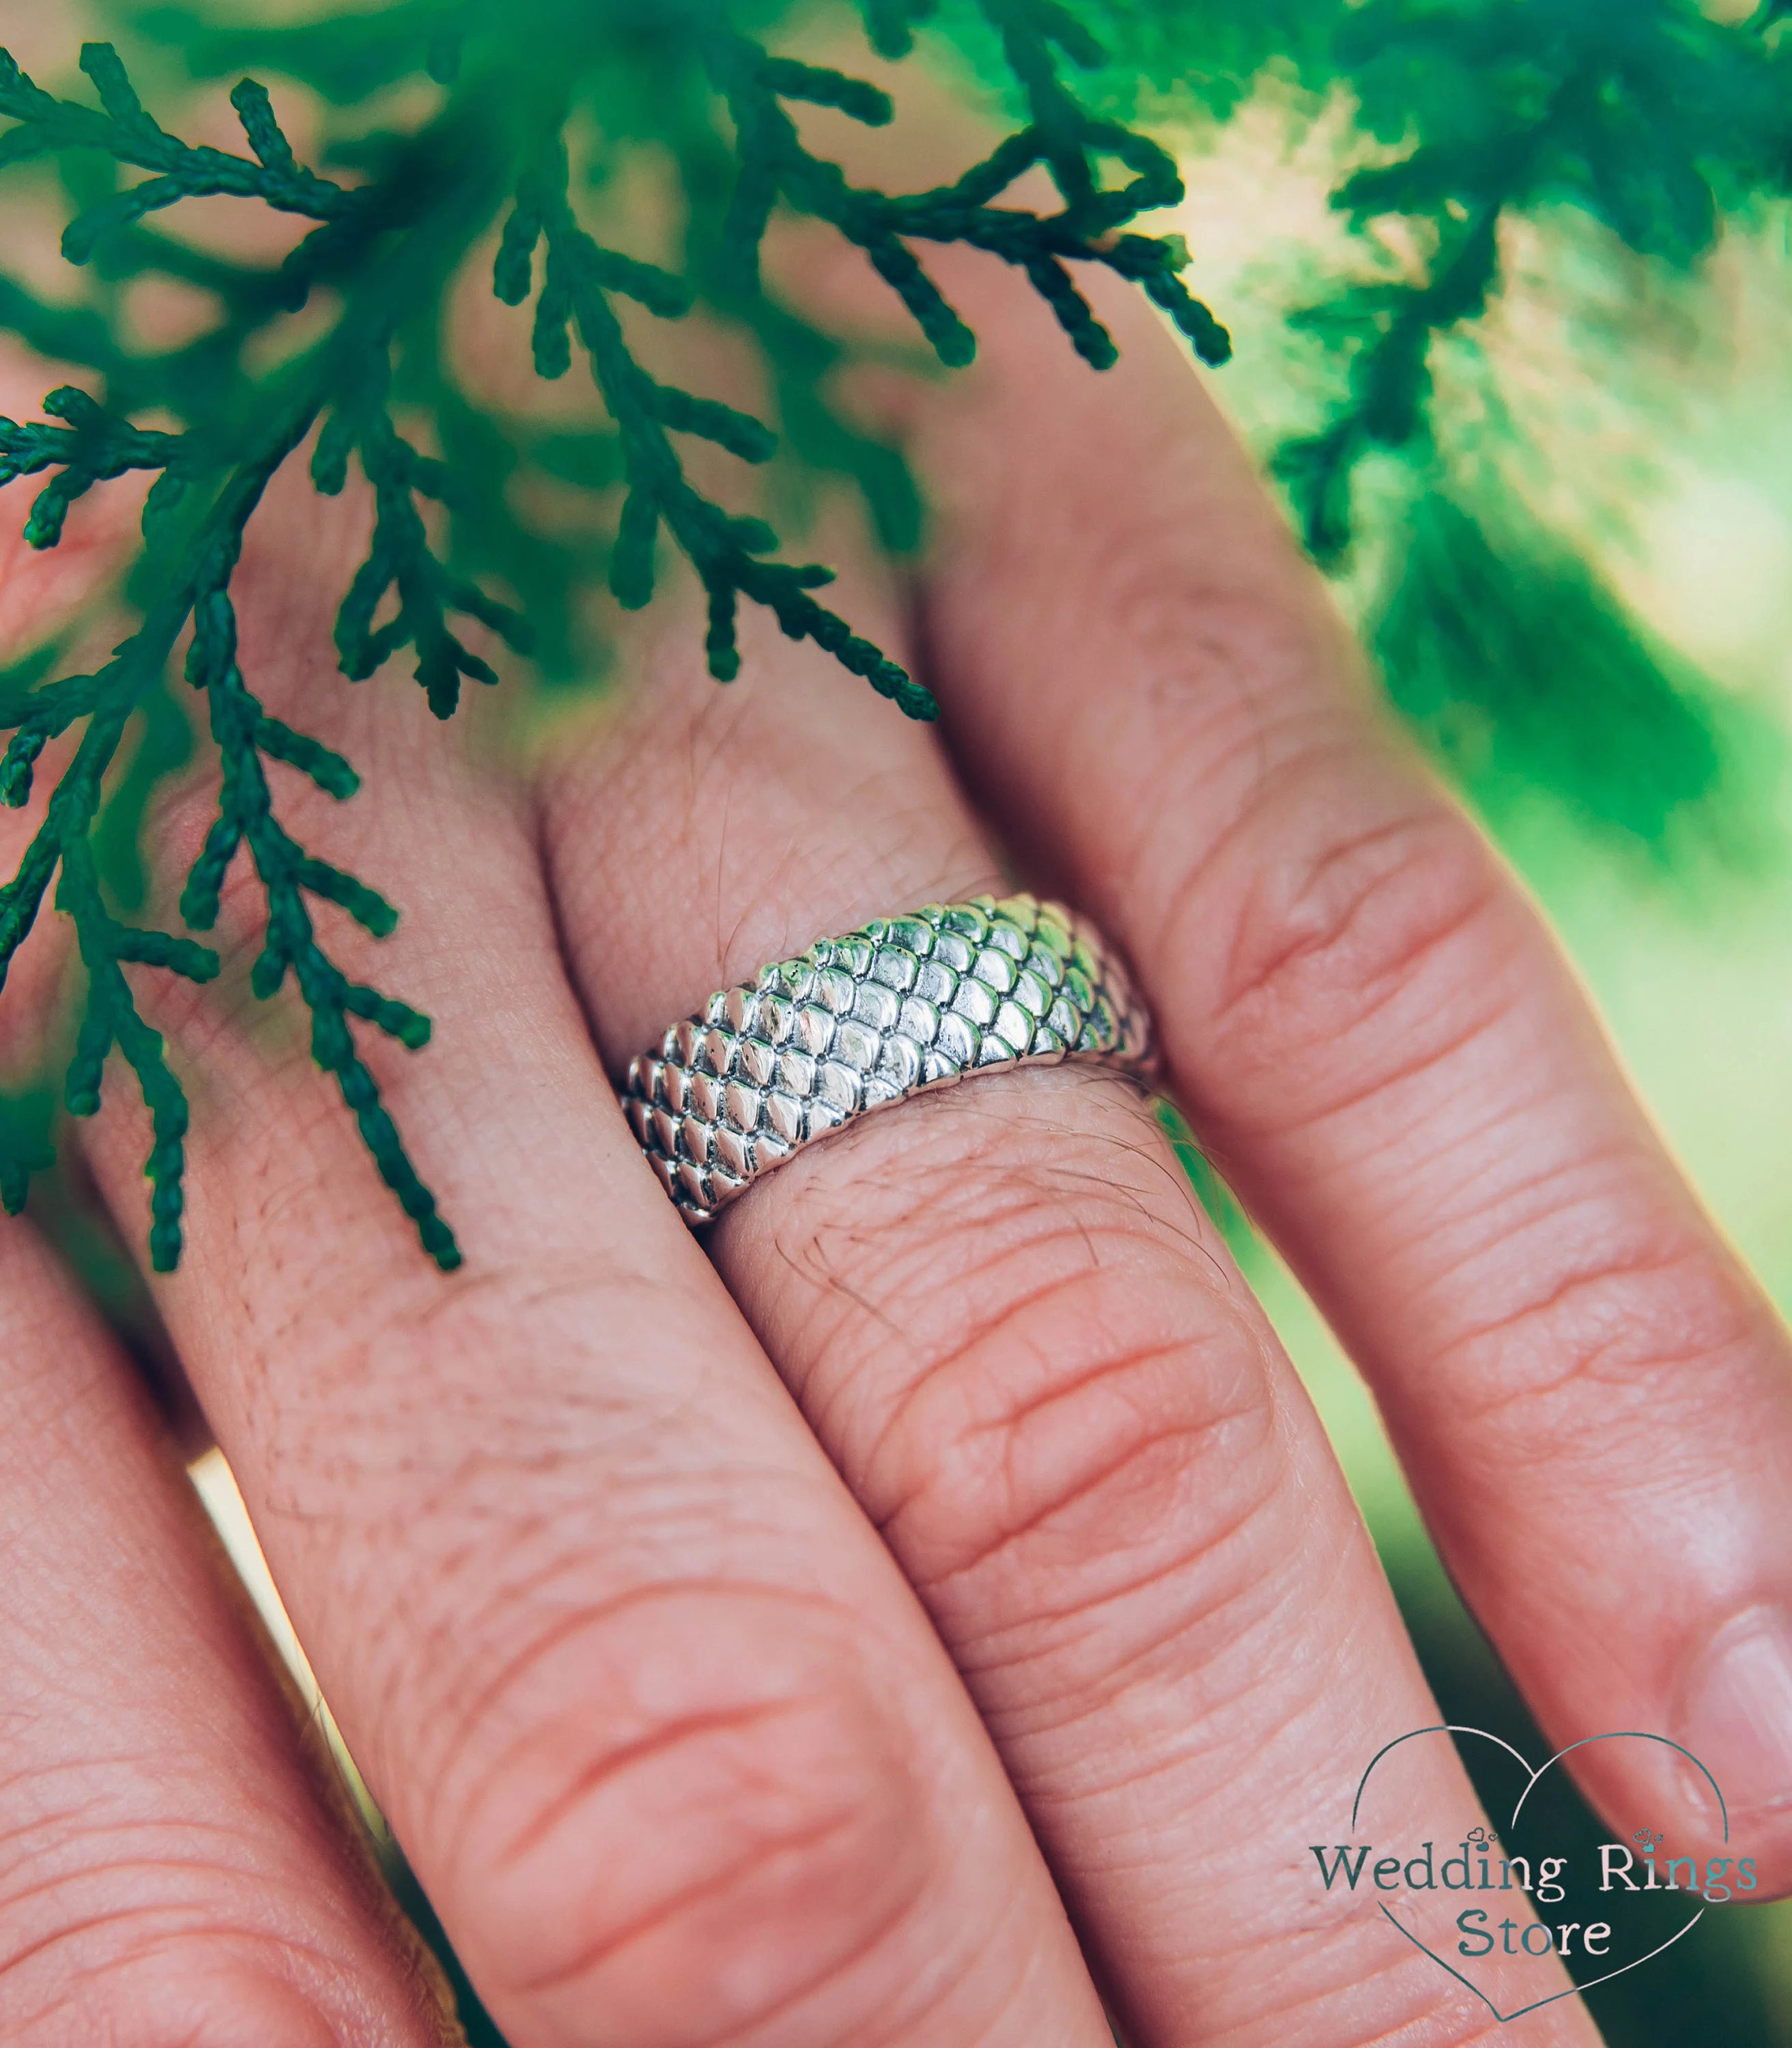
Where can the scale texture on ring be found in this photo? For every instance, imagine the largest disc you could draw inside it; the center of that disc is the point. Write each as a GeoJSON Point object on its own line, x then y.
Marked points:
{"type": "Point", "coordinates": [900, 1005]}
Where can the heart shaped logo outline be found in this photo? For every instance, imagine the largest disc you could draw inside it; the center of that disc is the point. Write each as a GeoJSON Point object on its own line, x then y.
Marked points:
{"type": "Point", "coordinates": [1612, 1735]}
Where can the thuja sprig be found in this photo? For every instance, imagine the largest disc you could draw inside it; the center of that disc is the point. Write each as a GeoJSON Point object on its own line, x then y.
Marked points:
{"type": "Point", "coordinates": [1386, 333]}
{"type": "Point", "coordinates": [389, 242]}
{"type": "Point", "coordinates": [122, 129]}
{"type": "Point", "coordinates": [105, 946]}
{"type": "Point", "coordinates": [246, 735]}
{"type": "Point", "coordinates": [110, 1018]}
{"type": "Point", "coordinates": [1061, 134]}
{"type": "Point", "coordinates": [580, 278]}
{"type": "Point", "coordinates": [401, 559]}
{"type": "Point", "coordinates": [95, 445]}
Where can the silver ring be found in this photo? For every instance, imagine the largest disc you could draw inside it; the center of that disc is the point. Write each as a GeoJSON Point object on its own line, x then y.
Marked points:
{"type": "Point", "coordinates": [900, 1006]}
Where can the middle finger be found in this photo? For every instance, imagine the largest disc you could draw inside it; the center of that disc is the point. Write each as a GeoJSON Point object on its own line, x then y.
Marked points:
{"type": "Point", "coordinates": [662, 1732]}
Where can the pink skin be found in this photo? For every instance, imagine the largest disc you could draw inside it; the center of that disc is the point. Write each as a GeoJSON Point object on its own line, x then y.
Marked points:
{"type": "Point", "coordinates": [939, 1601]}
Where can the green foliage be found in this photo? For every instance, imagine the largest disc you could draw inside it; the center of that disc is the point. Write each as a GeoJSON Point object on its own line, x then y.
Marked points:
{"type": "Point", "coordinates": [1603, 714]}
{"type": "Point", "coordinates": [1648, 123]}
{"type": "Point", "coordinates": [1648, 115]}
{"type": "Point", "coordinates": [1629, 131]}
{"type": "Point", "coordinates": [389, 243]}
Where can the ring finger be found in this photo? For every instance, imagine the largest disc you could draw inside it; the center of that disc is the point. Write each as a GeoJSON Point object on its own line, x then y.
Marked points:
{"type": "Point", "coordinates": [1005, 1316]}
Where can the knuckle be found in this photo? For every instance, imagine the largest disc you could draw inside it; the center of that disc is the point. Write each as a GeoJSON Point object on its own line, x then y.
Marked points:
{"type": "Point", "coordinates": [779, 1830]}
{"type": "Point", "coordinates": [1350, 928]}
{"type": "Point", "coordinates": [1327, 914]}
{"type": "Point", "coordinates": [1082, 1413]}
{"type": "Point", "coordinates": [1344, 910]}
{"type": "Point", "coordinates": [1072, 1415]}
{"type": "Point", "coordinates": [1217, 658]}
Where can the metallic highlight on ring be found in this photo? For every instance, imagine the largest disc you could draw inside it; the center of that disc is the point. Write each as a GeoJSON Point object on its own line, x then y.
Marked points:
{"type": "Point", "coordinates": [900, 1005]}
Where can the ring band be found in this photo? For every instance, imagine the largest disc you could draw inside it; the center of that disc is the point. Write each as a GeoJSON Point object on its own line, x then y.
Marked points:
{"type": "Point", "coordinates": [902, 1006]}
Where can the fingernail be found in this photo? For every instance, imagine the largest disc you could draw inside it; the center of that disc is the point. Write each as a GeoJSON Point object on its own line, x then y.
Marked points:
{"type": "Point", "coordinates": [1735, 1709]}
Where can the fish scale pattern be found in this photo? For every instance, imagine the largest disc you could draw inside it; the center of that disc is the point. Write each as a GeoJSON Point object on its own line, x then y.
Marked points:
{"type": "Point", "coordinates": [900, 1005]}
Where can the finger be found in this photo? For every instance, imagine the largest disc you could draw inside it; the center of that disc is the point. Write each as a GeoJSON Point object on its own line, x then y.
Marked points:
{"type": "Point", "coordinates": [1383, 1047]}
{"type": "Point", "coordinates": [1004, 1315]}
{"type": "Point", "coordinates": [171, 1869]}
{"type": "Point", "coordinates": [665, 1738]}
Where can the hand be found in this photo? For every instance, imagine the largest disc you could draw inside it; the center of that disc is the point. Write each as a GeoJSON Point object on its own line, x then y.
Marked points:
{"type": "Point", "coordinates": [794, 1643]}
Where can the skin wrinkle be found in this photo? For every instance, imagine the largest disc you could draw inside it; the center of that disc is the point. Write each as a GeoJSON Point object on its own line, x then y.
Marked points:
{"type": "Point", "coordinates": [1395, 1136]}
{"type": "Point", "coordinates": [536, 1569]}
{"type": "Point", "coordinates": [955, 1349]}
{"type": "Point", "coordinates": [955, 1357]}
{"type": "Point", "coordinates": [483, 1709]}
{"type": "Point", "coordinates": [1416, 1191]}
{"type": "Point", "coordinates": [74, 1825]}
{"type": "Point", "coordinates": [166, 1916]}
{"type": "Point", "coordinates": [1069, 1781]}
{"type": "Point", "coordinates": [1197, 1619]}
{"type": "Point", "coordinates": [1558, 1244]}
{"type": "Point", "coordinates": [1215, 654]}
{"type": "Point", "coordinates": [1710, 1322]}
{"type": "Point", "coordinates": [478, 1596]}
{"type": "Point", "coordinates": [1098, 1480]}
{"type": "Point", "coordinates": [291, 1955]}
{"type": "Point", "coordinates": [959, 1358]}
{"type": "Point", "coordinates": [911, 2023]}
{"type": "Point", "coordinates": [511, 1596]}
{"type": "Point", "coordinates": [1420, 1063]}
{"type": "Point", "coordinates": [1199, 642]}
{"type": "Point", "coordinates": [915, 2022]}
{"type": "Point", "coordinates": [1301, 1129]}
{"type": "Point", "coordinates": [1223, 785]}
{"type": "Point", "coordinates": [1170, 1641]}
{"type": "Point", "coordinates": [1601, 1277]}
{"type": "Point", "coordinates": [474, 1715]}
{"type": "Point", "coordinates": [1489, 1219]}
{"type": "Point", "coordinates": [645, 1748]}
{"type": "Point", "coordinates": [1636, 1380]}
{"type": "Point", "coordinates": [769, 1850]}
{"type": "Point", "coordinates": [1409, 1983]}
{"type": "Point", "coordinates": [705, 1889]}
{"type": "Point", "coordinates": [262, 1998]}
{"type": "Point", "coordinates": [456, 1322]}
{"type": "Point", "coordinates": [1440, 2018]}
{"type": "Point", "coordinates": [967, 1176]}
{"type": "Point", "coordinates": [1294, 944]}
{"type": "Point", "coordinates": [1203, 787]}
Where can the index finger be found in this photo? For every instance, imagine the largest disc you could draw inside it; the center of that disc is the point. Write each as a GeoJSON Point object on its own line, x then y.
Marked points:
{"type": "Point", "coordinates": [1376, 1037]}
